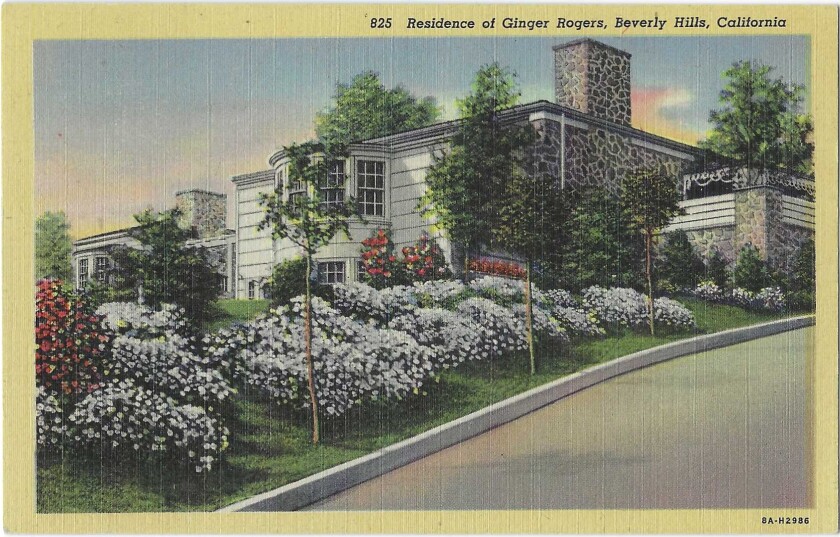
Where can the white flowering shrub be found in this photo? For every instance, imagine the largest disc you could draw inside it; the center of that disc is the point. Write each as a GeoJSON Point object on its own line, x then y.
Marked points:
{"type": "Point", "coordinates": [123, 417]}
{"type": "Point", "coordinates": [770, 299]}
{"type": "Point", "coordinates": [616, 306]}
{"type": "Point", "coordinates": [560, 298]}
{"type": "Point", "coordinates": [123, 317]}
{"type": "Point", "coordinates": [365, 302]}
{"type": "Point", "coordinates": [545, 327]}
{"type": "Point", "coordinates": [49, 419]}
{"type": "Point", "coordinates": [501, 330]}
{"type": "Point", "coordinates": [452, 338]}
{"type": "Point", "coordinates": [354, 361]}
{"type": "Point", "coordinates": [670, 313]}
{"type": "Point", "coordinates": [577, 322]}
{"type": "Point", "coordinates": [708, 291]}
{"type": "Point", "coordinates": [627, 307]}
{"type": "Point", "coordinates": [741, 298]}
{"type": "Point", "coordinates": [440, 293]}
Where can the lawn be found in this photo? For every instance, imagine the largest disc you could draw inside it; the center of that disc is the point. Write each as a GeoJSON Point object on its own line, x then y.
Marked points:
{"type": "Point", "coordinates": [270, 445]}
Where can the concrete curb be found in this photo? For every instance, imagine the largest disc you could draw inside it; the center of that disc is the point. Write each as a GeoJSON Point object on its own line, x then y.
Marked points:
{"type": "Point", "coordinates": [334, 480]}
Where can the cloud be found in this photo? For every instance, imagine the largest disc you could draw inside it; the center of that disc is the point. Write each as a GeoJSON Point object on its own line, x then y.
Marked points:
{"type": "Point", "coordinates": [666, 111]}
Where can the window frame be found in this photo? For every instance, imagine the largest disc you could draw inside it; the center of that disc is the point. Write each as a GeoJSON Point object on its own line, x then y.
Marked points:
{"type": "Point", "coordinates": [83, 268]}
{"type": "Point", "coordinates": [363, 189]}
{"type": "Point", "coordinates": [330, 269]}
{"type": "Point", "coordinates": [333, 191]}
{"type": "Point", "coordinates": [101, 269]}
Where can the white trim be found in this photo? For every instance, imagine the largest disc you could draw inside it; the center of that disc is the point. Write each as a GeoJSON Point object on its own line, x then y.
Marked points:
{"type": "Point", "coordinates": [559, 118]}
{"type": "Point", "coordinates": [660, 149]}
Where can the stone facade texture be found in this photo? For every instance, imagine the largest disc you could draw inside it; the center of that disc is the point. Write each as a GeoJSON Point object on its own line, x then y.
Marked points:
{"type": "Point", "coordinates": [717, 239]}
{"type": "Point", "coordinates": [203, 211]}
{"type": "Point", "coordinates": [593, 78]}
{"type": "Point", "coordinates": [595, 157]}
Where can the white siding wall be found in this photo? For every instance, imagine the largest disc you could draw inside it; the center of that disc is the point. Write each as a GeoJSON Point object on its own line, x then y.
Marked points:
{"type": "Point", "coordinates": [702, 213]}
{"type": "Point", "coordinates": [254, 251]}
{"type": "Point", "coordinates": [798, 212]}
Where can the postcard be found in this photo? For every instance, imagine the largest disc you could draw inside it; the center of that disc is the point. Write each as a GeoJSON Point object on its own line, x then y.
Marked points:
{"type": "Point", "coordinates": [416, 268]}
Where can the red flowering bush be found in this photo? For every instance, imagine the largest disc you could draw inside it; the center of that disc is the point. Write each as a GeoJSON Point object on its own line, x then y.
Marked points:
{"type": "Point", "coordinates": [70, 340]}
{"type": "Point", "coordinates": [382, 269]}
{"type": "Point", "coordinates": [425, 261]}
{"type": "Point", "coordinates": [497, 268]}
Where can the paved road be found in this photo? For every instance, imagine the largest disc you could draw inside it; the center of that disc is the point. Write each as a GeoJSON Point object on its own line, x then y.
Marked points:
{"type": "Point", "coordinates": [723, 429]}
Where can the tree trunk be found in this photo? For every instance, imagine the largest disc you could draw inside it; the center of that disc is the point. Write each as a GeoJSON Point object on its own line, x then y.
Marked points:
{"type": "Point", "coordinates": [529, 324]}
{"type": "Point", "coordinates": [466, 276]}
{"type": "Point", "coordinates": [648, 272]}
{"type": "Point", "coordinates": [307, 336]}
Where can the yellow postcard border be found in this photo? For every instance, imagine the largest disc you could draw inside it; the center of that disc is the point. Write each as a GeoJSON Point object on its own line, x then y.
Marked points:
{"type": "Point", "coordinates": [24, 23]}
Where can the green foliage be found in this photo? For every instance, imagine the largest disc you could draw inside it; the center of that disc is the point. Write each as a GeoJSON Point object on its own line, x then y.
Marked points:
{"type": "Point", "coordinates": [751, 272]}
{"type": "Point", "coordinates": [680, 265]}
{"type": "Point", "coordinates": [802, 287]}
{"type": "Point", "coordinates": [288, 280]}
{"type": "Point", "coordinates": [717, 270]}
{"type": "Point", "coordinates": [463, 185]}
{"type": "Point", "coordinates": [364, 109]}
{"type": "Point", "coordinates": [651, 199]}
{"type": "Point", "coordinates": [167, 270]}
{"type": "Point", "coordinates": [760, 123]}
{"type": "Point", "coordinates": [53, 247]}
{"type": "Point", "coordinates": [596, 244]}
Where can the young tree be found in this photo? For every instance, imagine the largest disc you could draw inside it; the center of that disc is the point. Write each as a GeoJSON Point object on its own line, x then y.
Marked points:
{"type": "Point", "coordinates": [365, 109]}
{"type": "Point", "coordinates": [760, 124]}
{"type": "Point", "coordinates": [528, 221]}
{"type": "Point", "coordinates": [717, 269]}
{"type": "Point", "coordinates": [680, 265]}
{"type": "Point", "coordinates": [463, 184]}
{"type": "Point", "coordinates": [164, 267]}
{"type": "Point", "coordinates": [651, 200]}
{"type": "Point", "coordinates": [53, 247]}
{"type": "Point", "coordinates": [309, 223]}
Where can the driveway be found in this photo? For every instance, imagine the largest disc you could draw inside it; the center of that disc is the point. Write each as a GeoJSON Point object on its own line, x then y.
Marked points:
{"type": "Point", "coordinates": [721, 429]}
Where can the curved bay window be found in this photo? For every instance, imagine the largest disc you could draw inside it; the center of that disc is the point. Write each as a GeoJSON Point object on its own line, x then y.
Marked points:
{"type": "Point", "coordinates": [331, 189]}
{"type": "Point", "coordinates": [370, 175]}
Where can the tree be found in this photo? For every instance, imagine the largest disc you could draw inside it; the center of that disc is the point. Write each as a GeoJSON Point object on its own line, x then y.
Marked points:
{"type": "Point", "coordinates": [596, 243]}
{"type": "Point", "coordinates": [651, 200]}
{"type": "Point", "coordinates": [527, 222]}
{"type": "Point", "coordinates": [309, 223]}
{"type": "Point", "coordinates": [751, 272]}
{"type": "Point", "coordinates": [717, 269]}
{"type": "Point", "coordinates": [288, 280]}
{"type": "Point", "coordinates": [365, 109]}
{"type": "Point", "coordinates": [53, 247]}
{"type": "Point", "coordinates": [680, 265]}
{"type": "Point", "coordinates": [164, 269]}
{"type": "Point", "coordinates": [760, 124]}
{"type": "Point", "coordinates": [463, 184]}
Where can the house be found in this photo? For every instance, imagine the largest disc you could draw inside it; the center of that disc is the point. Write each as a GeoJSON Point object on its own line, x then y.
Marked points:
{"type": "Point", "coordinates": [585, 139]}
{"type": "Point", "coordinates": [204, 212]}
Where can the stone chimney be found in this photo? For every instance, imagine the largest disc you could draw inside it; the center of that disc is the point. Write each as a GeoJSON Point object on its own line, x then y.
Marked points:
{"type": "Point", "coordinates": [203, 211]}
{"type": "Point", "coordinates": [594, 78]}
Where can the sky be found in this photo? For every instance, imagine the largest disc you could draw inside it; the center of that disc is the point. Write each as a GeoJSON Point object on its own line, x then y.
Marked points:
{"type": "Point", "coordinates": [120, 126]}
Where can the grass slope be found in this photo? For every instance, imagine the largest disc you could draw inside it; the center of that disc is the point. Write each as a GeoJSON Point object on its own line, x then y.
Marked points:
{"type": "Point", "coordinates": [270, 445]}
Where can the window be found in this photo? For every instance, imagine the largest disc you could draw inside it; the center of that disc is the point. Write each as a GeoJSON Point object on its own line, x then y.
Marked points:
{"type": "Point", "coordinates": [223, 283]}
{"type": "Point", "coordinates": [296, 189]}
{"type": "Point", "coordinates": [102, 268]}
{"type": "Point", "coordinates": [332, 190]}
{"type": "Point", "coordinates": [371, 177]}
{"type": "Point", "coordinates": [331, 272]}
{"type": "Point", "coordinates": [252, 290]}
{"type": "Point", "coordinates": [83, 272]}
{"type": "Point", "coordinates": [360, 269]}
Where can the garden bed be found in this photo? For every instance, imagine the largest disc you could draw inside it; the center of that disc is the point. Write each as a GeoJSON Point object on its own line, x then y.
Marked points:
{"type": "Point", "coordinates": [272, 446]}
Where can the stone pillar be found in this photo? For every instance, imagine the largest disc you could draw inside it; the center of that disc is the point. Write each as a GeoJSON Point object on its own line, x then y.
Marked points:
{"type": "Point", "coordinates": [758, 217]}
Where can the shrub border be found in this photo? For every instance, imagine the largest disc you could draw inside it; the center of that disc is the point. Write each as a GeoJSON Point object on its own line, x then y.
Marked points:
{"type": "Point", "coordinates": [324, 484]}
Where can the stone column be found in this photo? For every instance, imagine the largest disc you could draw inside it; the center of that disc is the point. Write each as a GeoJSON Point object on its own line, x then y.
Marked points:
{"type": "Point", "coordinates": [758, 217]}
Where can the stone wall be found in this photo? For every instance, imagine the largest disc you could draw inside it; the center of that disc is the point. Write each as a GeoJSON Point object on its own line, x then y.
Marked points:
{"type": "Point", "coordinates": [716, 239]}
{"type": "Point", "coordinates": [205, 212]}
{"type": "Point", "coordinates": [593, 78]}
{"type": "Point", "coordinates": [595, 157]}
